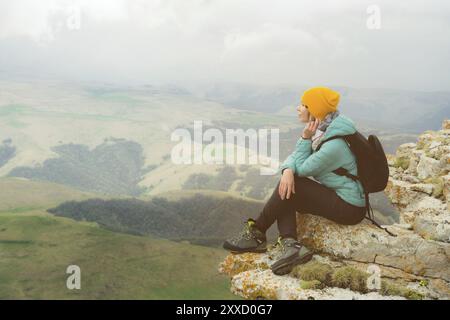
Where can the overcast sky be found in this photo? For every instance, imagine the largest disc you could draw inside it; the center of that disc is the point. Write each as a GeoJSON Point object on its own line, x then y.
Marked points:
{"type": "Point", "coordinates": [289, 42]}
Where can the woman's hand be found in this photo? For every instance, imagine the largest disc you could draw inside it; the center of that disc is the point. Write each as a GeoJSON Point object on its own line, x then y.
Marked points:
{"type": "Point", "coordinates": [286, 186]}
{"type": "Point", "coordinates": [310, 129]}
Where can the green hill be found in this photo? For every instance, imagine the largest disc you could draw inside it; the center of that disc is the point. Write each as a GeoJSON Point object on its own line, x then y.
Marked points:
{"type": "Point", "coordinates": [36, 248]}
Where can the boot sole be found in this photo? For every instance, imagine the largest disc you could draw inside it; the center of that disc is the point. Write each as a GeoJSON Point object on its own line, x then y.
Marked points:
{"type": "Point", "coordinates": [287, 267]}
{"type": "Point", "coordinates": [233, 249]}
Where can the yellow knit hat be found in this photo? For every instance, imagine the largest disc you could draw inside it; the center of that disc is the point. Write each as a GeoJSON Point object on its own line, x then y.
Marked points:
{"type": "Point", "coordinates": [320, 101]}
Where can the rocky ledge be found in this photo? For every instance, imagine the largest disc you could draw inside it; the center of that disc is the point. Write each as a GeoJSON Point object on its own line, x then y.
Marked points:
{"type": "Point", "coordinates": [363, 261]}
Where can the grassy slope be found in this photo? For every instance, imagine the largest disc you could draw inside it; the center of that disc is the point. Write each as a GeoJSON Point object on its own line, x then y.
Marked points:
{"type": "Point", "coordinates": [36, 248]}
{"type": "Point", "coordinates": [17, 194]}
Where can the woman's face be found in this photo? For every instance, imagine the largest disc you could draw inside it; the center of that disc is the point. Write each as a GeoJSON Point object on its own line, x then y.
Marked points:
{"type": "Point", "coordinates": [303, 113]}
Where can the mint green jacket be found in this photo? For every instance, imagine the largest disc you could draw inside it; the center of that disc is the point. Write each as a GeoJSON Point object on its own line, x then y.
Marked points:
{"type": "Point", "coordinates": [333, 154]}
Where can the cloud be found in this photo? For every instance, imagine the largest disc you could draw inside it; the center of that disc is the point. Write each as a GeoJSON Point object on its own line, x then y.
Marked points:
{"type": "Point", "coordinates": [256, 41]}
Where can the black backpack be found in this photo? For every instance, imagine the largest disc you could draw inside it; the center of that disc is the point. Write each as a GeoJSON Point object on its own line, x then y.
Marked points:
{"type": "Point", "coordinates": [373, 169]}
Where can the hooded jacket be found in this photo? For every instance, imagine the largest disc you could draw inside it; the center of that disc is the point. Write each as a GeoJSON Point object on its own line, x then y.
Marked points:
{"type": "Point", "coordinates": [333, 154]}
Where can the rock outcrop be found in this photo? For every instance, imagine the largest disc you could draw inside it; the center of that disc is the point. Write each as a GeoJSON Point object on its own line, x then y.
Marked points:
{"type": "Point", "coordinates": [363, 261]}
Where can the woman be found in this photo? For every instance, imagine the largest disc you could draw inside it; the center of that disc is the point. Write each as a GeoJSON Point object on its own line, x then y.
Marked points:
{"type": "Point", "coordinates": [337, 198]}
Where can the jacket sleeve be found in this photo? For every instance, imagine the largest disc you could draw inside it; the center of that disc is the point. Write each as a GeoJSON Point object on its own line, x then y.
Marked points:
{"type": "Point", "coordinates": [327, 159]}
{"type": "Point", "coordinates": [302, 147]}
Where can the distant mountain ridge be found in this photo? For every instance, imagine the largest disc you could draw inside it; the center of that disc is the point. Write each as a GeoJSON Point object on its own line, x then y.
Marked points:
{"type": "Point", "coordinates": [400, 110]}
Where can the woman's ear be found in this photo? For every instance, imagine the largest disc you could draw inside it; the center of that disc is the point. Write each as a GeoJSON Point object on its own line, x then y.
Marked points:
{"type": "Point", "coordinates": [311, 117]}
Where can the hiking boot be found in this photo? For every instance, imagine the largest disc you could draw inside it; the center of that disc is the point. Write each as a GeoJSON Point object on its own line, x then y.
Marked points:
{"type": "Point", "coordinates": [290, 253]}
{"type": "Point", "coordinates": [250, 239]}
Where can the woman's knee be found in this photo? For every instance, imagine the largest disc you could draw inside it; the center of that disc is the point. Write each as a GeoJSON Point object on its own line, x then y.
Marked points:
{"type": "Point", "coordinates": [277, 197]}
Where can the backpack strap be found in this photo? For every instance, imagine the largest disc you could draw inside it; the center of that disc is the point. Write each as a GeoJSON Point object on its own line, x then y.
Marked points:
{"type": "Point", "coordinates": [328, 139]}
{"type": "Point", "coordinates": [371, 217]}
{"type": "Point", "coordinates": [340, 171]}
{"type": "Point", "coordinates": [344, 172]}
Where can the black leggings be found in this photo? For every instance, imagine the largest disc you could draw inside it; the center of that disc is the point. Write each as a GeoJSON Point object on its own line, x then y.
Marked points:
{"type": "Point", "coordinates": [310, 197]}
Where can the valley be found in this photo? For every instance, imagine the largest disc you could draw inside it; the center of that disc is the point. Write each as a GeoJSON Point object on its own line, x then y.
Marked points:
{"type": "Point", "coordinates": [37, 247]}
{"type": "Point", "coordinates": [86, 178]}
